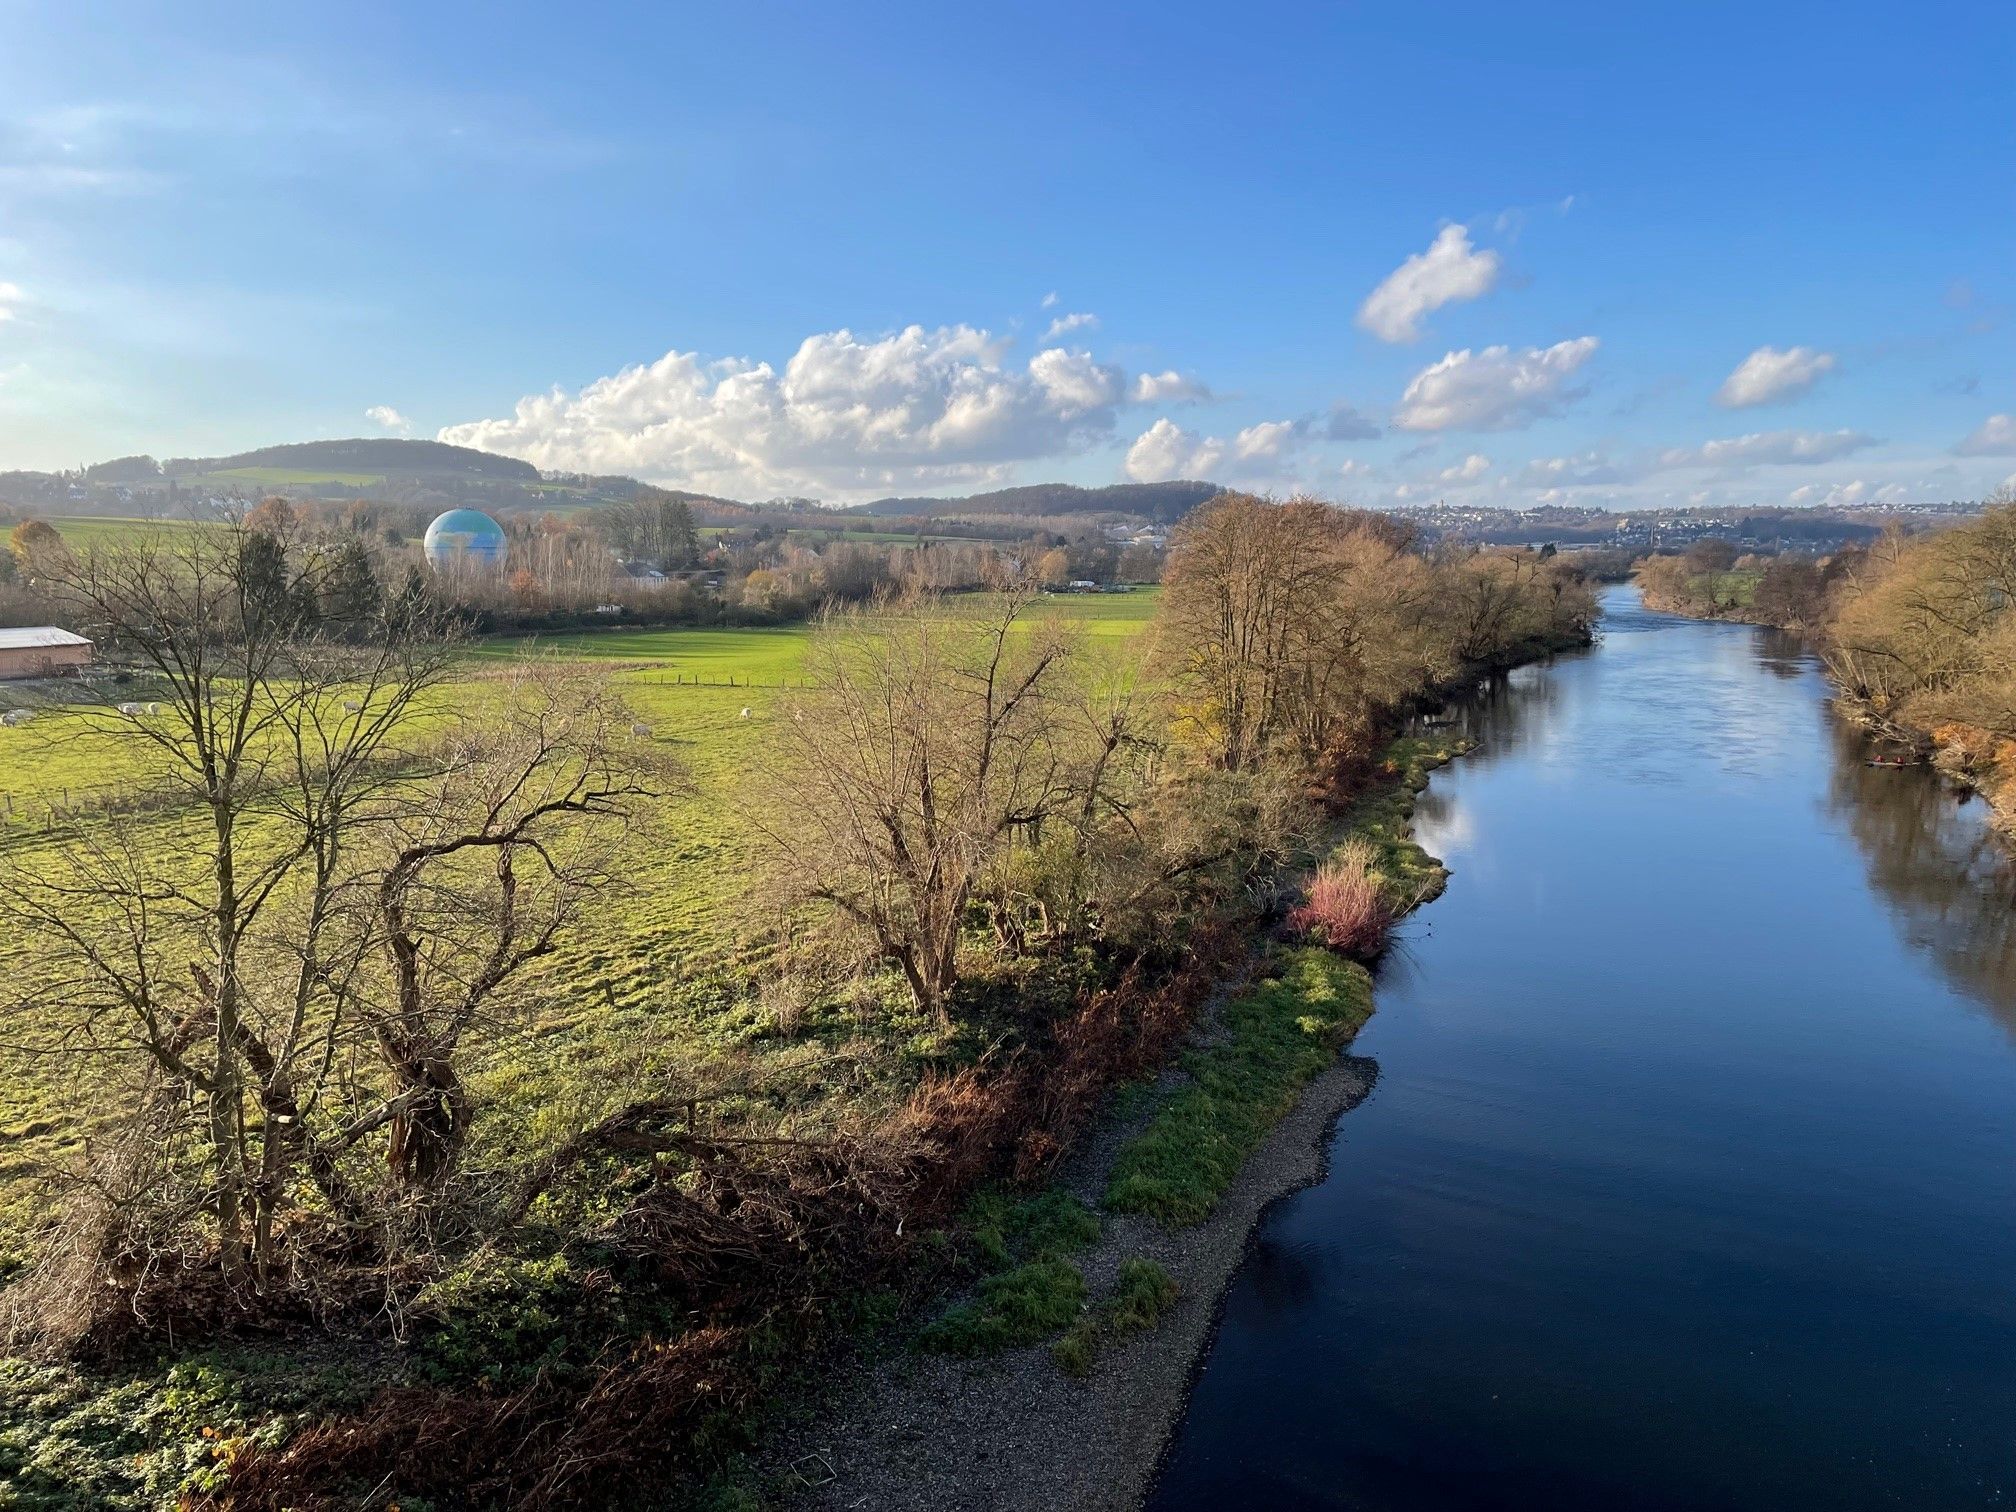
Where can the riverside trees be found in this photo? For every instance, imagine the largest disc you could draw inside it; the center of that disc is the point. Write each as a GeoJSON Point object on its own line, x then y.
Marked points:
{"type": "Point", "coordinates": [948, 764]}
{"type": "Point", "coordinates": [1922, 628]}
{"type": "Point", "coordinates": [1291, 628]}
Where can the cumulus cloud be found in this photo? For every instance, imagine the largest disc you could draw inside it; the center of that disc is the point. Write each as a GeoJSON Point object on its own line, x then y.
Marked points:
{"type": "Point", "coordinates": [1074, 383]}
{"type": "Point", "coordinates": [1769, 376]}
{"type": "Point", "coordinates": [846, 415]}
{"type": "Point", "coordinates": [1168, 387]}
{"type": "Point", "coordinates": [1580, 470]}
{"type": "Point", "coordinates": [1996, 437]}
{"type": "Point", "coordinates": [388, 417]}
{"type": "Point", "coordinates": [1469, 470]}
{"type": "Point", "coordinates": [1495, 389]}
{"type": "Point", "coordinates": [1785, 448]}
{"type": "Point", "coordinates": [1450, 270]}
{"type": "Point", "coordinates": [1166, 450]}
{"type": "Point", "coordinates": [1353, 467]}
{"type": "Point", "coordinates": [1344, 423]}
{"type": "Point", "coordinates": [1267, 441]}
{"type": "Point", "coordinates": [1064, 325]}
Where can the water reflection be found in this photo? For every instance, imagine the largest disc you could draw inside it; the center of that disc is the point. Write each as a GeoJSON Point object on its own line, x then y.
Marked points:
{"type": "Point", "coordinates": [1948, 878]}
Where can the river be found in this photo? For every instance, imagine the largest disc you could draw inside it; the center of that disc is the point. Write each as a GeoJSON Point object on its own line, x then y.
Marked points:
{"type": "Point", "coordinates": [1689, 1178]}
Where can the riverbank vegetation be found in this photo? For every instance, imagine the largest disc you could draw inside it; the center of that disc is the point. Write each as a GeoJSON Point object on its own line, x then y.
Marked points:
{"type": "Point", "coordinates": [1917, 630]}
{"type": "Point", "coordinates": [484, 1078]}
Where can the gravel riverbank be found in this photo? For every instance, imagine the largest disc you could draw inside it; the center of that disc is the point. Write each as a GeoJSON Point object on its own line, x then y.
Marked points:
{"type": "Point", "coordinates": [918, 1431]}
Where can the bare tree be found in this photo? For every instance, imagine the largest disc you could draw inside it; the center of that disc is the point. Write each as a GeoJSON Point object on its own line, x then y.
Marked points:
{"type": "Point", "coordinates": [926, 742]}
{"type": "Point", "coordinates": [482, 867]}
{"type": "Point", "coordinates": [210, 954]}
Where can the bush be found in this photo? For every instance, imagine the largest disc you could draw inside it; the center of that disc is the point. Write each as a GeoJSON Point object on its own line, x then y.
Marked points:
{"type": "Point", "coordinates": [1348, 908]}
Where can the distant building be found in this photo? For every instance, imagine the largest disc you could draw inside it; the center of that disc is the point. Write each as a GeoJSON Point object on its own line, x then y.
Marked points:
{"type": "Point", "coordinates": [42, 651]}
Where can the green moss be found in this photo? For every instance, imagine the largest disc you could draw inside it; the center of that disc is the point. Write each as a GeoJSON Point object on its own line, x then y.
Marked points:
{"type": "Point", "coordinates": [1278, 1037]}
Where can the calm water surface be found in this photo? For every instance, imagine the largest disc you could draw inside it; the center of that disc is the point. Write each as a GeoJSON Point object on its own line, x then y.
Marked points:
{"type": "Point", "coordinates": [1689, 1180]}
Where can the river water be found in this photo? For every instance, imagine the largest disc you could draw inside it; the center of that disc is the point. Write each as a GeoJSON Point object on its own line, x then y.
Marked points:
{"type": "Point", "coordinates": [1689, 1178]}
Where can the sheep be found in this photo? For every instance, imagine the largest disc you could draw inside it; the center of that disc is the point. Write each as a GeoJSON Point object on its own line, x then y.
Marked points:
{"type": "Point", "coordinates": [130, 710]}
{"type": "Point", "coordinates": [151, 709]}
{"type": "Point", "coordinates": [15, 717]}
{"type": "Point", "coordinates": [745, 712]}
{"type": "Point", "coordinates": [641, 729]}
{"type": "Point", "coordinates": [351, 706]}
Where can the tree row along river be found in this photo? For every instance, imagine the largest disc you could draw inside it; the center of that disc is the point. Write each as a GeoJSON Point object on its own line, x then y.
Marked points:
{"type": "Point", "coordinates": [1689, 1179]}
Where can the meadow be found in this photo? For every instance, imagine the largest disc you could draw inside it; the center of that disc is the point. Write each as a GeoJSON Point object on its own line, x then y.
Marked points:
{"type": "Point", "coordinates": [83, 532]}
{"type": "Point", "coordinates": [656, 983]}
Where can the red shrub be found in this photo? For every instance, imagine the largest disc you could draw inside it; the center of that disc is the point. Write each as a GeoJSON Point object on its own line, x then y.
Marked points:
{"type": "Point", "coordinates": [1347, 908]}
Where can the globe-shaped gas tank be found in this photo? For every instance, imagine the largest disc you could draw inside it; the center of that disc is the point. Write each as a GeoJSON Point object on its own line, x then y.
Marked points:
{"type": "Point", "coordinates": [465, 538]}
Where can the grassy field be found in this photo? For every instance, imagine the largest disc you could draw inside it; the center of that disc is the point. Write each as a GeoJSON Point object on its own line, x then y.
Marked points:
{"type": "Point", "coordinates": [280, 477]}
{"type": "Point", "coordinates": [82, 532]}
{"type": "Point", "coordinates": [657, 979]}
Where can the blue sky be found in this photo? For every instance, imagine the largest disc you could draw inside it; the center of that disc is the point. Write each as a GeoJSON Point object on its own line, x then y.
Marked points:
{"type": "Point", "coordinates": [1483, 252]}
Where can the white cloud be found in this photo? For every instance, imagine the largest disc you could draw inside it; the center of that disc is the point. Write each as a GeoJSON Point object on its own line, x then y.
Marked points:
{"type": "Point", "coordinates": [1050, 300]}
{"type": "Point", "coordinates": [1353, 467]}
{"type": "Point", "coordinates": [1996, 437]}
{"type": "Point", "coordinates": [1495, 389]}
{"type": "Point", "coordinates": [1785, 448]}
{"type": "Point", "coordinates": [10, 296]}
{"type": "Point", "coordinates": [1768, 376]}
{"type": "Point", "coordinates": [1266, 441]}
{"type": "Point", "coordinates": [1168, 387]}
{"type": "Point", "coordinates": [1469, 470]}
{"type": "Point", "coordinates": [388, 417]}
{"type": "Point", "coordinates": [1064, 325]}
{"type": "Point", "coordinates": [1345, 424]}
{"type": "Point", "coordinates": [1451, 269]}
{"type": "Point", "coordinates": [1166, 450]}
{"type": "Point", "coordinates": [1075, 384]}
{"type": "Point", "coordinates": [1580, 470]}
{"type": "Point", "coordinates": [847, 415]}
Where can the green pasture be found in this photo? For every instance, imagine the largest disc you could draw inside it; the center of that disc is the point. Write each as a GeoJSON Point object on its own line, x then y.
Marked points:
{"type": "Point", "coordinates": [276, 477]}
{"type": "Point", "coordinates": [82, 532]}
{"type": "Point", "coordinates": [654, 983]}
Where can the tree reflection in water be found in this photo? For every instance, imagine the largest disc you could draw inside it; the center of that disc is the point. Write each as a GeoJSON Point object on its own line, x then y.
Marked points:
{"type": "Point", "coordinates": [1947, 876]}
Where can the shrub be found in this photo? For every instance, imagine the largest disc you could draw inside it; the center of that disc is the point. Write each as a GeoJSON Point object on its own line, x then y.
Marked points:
{"type": "Point", "coordinates": [1348, 908]}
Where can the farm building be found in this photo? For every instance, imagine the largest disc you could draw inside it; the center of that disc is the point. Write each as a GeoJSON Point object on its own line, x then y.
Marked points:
{"type": "Point", "coordinates": [42, 651]}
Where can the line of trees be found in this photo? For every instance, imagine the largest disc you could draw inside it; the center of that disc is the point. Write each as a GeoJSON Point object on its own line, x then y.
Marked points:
{"type": "Point", "coordinates": [971, 776]}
